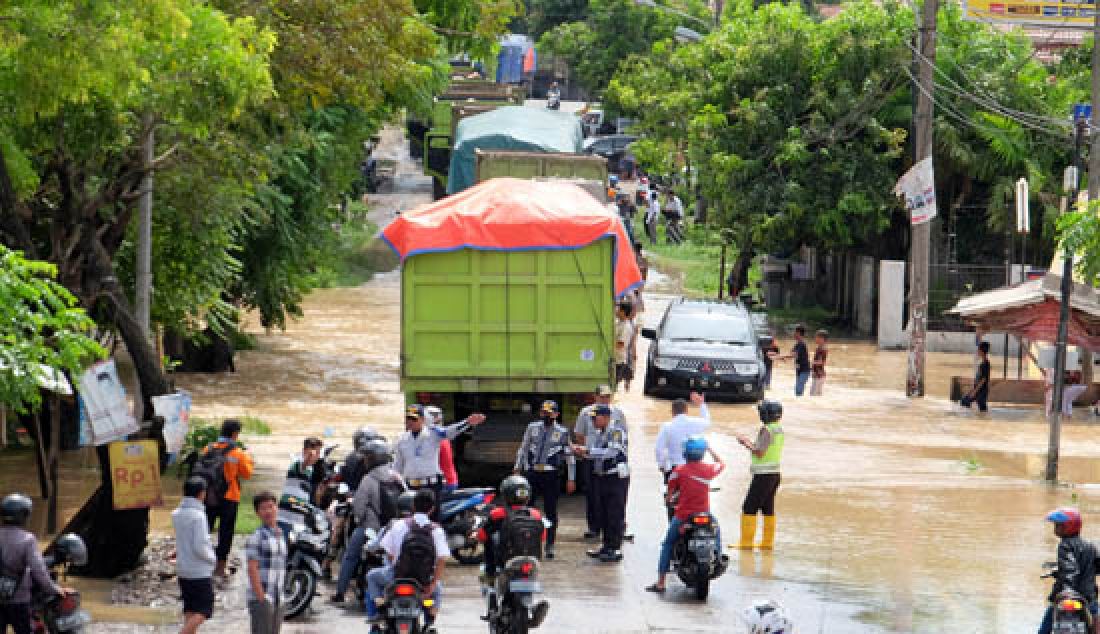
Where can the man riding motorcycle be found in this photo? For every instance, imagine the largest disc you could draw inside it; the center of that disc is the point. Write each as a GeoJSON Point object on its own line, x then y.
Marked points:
{"type": "Point", "coordinates": [374, 506]}
{"type": "Point", "coordinates": [689, 490]}
{"type": "Point", "coordinates": [515, 491]}
{"type": "Point", "coordinates": [22, 568]}
{"type": "Point", "coordinates": [1076, 564]}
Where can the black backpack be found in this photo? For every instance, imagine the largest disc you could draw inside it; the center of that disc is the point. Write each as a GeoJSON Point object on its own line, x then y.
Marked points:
{"type": "Point", "coordinates": [211, 467]}
{"type": "Point", "coordinates": [9, 584]}
{"type": "Point", "coordinates": [388, 492]}
{"type": "Point", "coordinates": [416, 560]}
{"type": "Point", "coordinates": [520, 535]}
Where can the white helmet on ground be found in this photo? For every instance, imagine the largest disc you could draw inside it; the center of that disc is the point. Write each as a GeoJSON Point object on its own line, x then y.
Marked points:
{"type": "Point", "coordinates": [433, 414]}
{"type": "Point", "coordinates": [767, 617]}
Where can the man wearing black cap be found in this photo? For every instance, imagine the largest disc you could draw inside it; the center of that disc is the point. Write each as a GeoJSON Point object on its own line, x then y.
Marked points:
{"type": "Point", "coordinates": [607, 448]}
{"type": "Point", "coordinates": [545, 447]}
{"type": "Point", "coordinates": [416, 455]}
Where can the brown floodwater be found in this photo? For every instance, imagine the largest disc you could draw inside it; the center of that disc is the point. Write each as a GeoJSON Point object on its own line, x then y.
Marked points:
{"type": "Point", "coordinates": [895, 514]}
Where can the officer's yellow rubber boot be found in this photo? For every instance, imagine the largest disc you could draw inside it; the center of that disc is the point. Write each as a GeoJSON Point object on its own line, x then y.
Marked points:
{"type": "Point", "coordinates": [767, 540]}
{"type": "Point", "coordinates": [748, 532]}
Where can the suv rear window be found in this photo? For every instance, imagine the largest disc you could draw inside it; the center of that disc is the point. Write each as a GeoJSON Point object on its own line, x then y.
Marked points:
{"type": "Point", "coordinates": [708, 327]}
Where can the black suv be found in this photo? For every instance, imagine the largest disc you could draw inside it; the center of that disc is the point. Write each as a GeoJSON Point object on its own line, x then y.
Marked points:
{"type": "Point", "coordinates": [705, 346]}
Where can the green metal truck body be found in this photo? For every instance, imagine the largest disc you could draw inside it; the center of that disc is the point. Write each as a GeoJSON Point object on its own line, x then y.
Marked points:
{"type": "Point", "coordinates": [499, 331]}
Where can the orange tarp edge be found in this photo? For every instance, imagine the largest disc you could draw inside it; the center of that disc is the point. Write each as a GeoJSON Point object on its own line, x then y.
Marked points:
{"type": "Point", "coordinates": [509, 214]}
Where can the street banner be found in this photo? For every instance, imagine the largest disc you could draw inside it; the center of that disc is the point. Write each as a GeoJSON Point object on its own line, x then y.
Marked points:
{"type": "Point", "coordinates": [105, 404]}
{"type": "Point", "coordinates": [1049, 14]}
{"type": "Point", "coordinates": [918, 187]}
{"type": "Point", "coordinates": [135, 475]}
{"type": "Point", "coordinates": [176, 411]}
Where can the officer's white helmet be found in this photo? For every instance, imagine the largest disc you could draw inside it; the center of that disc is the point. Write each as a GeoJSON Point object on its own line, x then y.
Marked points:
{"type": "Point", "coordinates": [767, 617]}
{"type": "Point", "coordinates": [433, 414]}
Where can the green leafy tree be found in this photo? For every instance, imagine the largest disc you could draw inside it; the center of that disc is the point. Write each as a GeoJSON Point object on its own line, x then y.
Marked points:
{"type": "Point", "coordinates": [545, 15]}
{"type": "Point", "coordinates": [611, 32]}
{"type": "Point", "coordinates": [41, 327]}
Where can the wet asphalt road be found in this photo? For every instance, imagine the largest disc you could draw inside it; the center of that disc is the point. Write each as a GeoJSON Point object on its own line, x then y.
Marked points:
{"type": "Point", "coordinates": [894, 515]}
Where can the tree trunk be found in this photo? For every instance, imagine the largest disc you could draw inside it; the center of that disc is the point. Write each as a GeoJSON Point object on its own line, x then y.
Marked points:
{"type": "Point", "coordinates": [740, 270]}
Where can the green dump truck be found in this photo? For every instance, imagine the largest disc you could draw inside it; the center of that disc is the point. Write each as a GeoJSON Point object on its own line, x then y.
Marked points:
{"type": "Point", "coordinates": [498, 332]}
{"type": "Point", "coordinates": [521, 142]}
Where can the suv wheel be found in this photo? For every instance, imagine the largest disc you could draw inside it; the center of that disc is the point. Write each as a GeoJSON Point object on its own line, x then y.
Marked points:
{"type": "Point", "coordinates": [647, 386]}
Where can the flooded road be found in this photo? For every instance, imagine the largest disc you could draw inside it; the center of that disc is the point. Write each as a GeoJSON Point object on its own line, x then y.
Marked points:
{"type": "Point", "coordinates": [894, 515]}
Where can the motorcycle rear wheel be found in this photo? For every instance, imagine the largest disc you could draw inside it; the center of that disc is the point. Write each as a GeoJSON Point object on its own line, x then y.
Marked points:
{"type": "Point", "coordinates": [702, 587]}
{"type": "Point", "coordinates": [472, 552]}
{"type": "Point", "coordinates": [298, 590]}
{"type": "Point", "coordinates": [519, 620]}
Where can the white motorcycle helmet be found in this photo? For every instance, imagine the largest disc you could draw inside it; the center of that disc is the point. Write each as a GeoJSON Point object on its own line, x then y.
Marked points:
{"type": "Point", "coordinates": [433, 415]}
{"type": "Point", "coordinates": [767, 617]}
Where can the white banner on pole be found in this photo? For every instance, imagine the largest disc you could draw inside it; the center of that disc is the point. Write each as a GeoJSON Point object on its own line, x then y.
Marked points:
{"type": "Point", "coordinates": [918, 187]}
{"type": "Point", "coordinates": [104, 401]}
{"type": "Point", "coordinates": [176, 410]}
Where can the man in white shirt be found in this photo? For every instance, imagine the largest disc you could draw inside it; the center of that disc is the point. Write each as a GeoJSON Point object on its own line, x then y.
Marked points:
{"type": "Point", "coordinates": [674, 216]}
{"type": "Point", "coordinates": [652, 213]}
{"type": "Point", "coordinates": [670, 440]}
{"type": "Point", "coordinates": [392, 541]}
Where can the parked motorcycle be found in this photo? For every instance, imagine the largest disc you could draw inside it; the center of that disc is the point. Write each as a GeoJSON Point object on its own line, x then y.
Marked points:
{"type": "Point", "coordinates": [307, 547]}
{"type": "Point", "coordinates": [511, 600]}
{"type": "Point", "coordinates": [461, 513]}
{"type": "Point", "coordinates": [695, 556]}
{"type": "Point", "coordinates": [405, 609]}
{"type": "Point", "coordinates": [1070, 609]}
{"type": "Point", "coordinates": [56, 614]}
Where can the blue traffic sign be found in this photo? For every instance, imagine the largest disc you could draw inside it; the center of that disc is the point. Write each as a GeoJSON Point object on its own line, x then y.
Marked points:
{"type": "Point", "coordinates": [1082, 111]}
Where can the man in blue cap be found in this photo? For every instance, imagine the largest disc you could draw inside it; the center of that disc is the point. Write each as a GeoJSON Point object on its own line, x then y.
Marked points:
{"type": "Point", "coordinates": [607, 448]}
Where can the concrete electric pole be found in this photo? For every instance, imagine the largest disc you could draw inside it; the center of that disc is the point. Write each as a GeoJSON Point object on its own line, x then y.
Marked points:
{"type": "Point", "coordinates": [143, 293]}
{"type": "Point", "coordinates": [921, 233]}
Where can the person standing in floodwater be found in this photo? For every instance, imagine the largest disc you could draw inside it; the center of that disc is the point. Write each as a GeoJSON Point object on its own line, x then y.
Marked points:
{"type": "Point", "coordinates": [801, 356]}
{"type": "Point", "coordinates": [980, 392]}
{"type": "Point", "coordinates": [766, 452]}
{"type": "Point", "coordinates": [821, 353]}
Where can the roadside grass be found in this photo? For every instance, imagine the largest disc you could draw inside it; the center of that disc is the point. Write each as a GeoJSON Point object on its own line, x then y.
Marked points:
{"type": "Point", "coordinates": [813, 317]}
{"type": "Point", "coordinates": [357, 254]}
{"type": "Point", "coordinates": [247, 520]}
{"type": "Point", "coordinates": [698, 258]}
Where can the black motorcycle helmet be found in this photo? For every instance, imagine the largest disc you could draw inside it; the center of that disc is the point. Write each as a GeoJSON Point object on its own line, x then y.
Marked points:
{"type": "Point", "coordinates": [363, 435]}
{"type": "Point", "coordinates": [71, 548]}
{"type": "Point", "coordinates": [515, 490]}
{"type": "Point", "coordinates": [376, 453]}
{"type": "Point", "coordinates": [770, 411]}
{"type": "Point", "coordinates": [405, 503]}
{"type": "Point", "coordinates": [15, 509]}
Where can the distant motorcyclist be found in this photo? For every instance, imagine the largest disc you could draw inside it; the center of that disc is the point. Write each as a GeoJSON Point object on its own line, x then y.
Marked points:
{"type": "Point", "coordinates": [689, 492]}
{"type": "Point", "coordinates": [374, 505]}
{"type": "Point", "coordinates": [22, 568]}
{"type": "Point", "coordinates": [553, 97]}
{"type": "Point", "coordinates": [1076, 564]}
{"type": "Point", "coordinates": [767, 617]}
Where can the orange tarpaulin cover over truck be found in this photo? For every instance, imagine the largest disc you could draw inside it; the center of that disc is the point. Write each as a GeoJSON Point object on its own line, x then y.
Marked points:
{"type": "Point", "coordinates": [510, 214]}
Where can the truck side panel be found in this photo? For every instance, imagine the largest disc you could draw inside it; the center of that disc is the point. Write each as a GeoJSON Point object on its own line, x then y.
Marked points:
{"type": "Point", "coordinates": [500, 163]}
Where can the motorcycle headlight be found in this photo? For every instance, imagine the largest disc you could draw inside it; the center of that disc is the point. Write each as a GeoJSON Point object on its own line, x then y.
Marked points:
{"type": "Point", "coordinates": [746, 368]}
{"type": "Point", "coordinates": [666, 363]}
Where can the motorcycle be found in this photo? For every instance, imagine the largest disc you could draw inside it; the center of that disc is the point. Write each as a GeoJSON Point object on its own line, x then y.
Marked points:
{"type": "Point", "coordinates": [553, 101]}
{"type": "Point", "coordinates": [307, 547]}
{"type": "Point", "coordinates": [695, 556]}
{"type": "Point", "coordinates": [61, 614]}
{"type": "Point", "coordinates": [369, 559]}
{"type": "Point", "coordinates": [511, 601]}
{"type": "Point", "coordinates": [405, 609]}
{"type": "Point", "coordinates": [461, 513]}
{"type": "Point", "coordinates": [1070, 609]}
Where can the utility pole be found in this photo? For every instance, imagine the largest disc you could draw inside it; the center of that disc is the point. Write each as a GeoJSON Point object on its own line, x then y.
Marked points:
{"type": "Point", "coordinates": [1084, 354]}
{"type": "Point", "coordinates": [1081, 124]}
{"type": "Point", "coordinates": [143, 293]}
{"type": "Point", "coordinates": [920, 241]}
